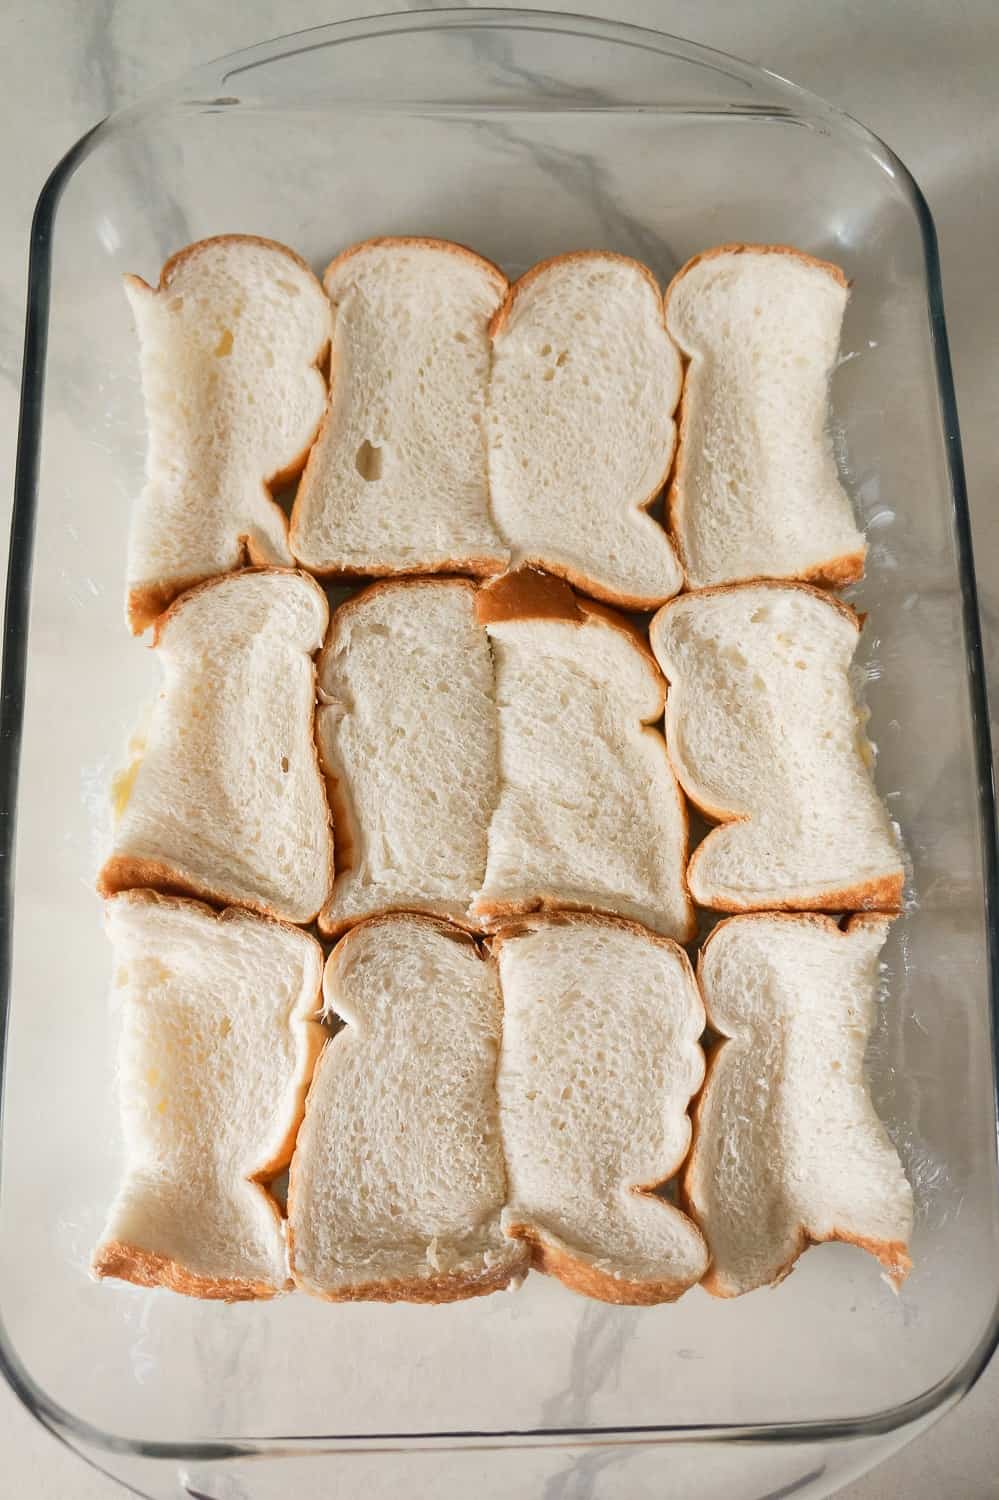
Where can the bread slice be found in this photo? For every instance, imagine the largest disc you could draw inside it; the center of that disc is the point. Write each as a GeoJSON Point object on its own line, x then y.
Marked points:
{"type": "Point", "coordinates": [581, 434]}
{"type": "Point", "coordinates": [227, 801]}
{"type": "Point", "coordinates": [766, 736]}
{"type": "Point", "coordinates": [397, 482]}
{"type": "Point", "coordinates": [218, 1042]}
{"type": "Point", "coordinates": [755, 492]}
{"type": "Point", "coordinates": [408, 736]}
{"type": "Point", "coordinates": [589, 813]}
{"type": "Point", "coordinates": [788, 1150]}
{"type": "Point", "coordinates": [229, 344]}
{"type": "Point", "coordinates": [398, 1182]}
{"type": "Point", "coordinates": [600, 1058]}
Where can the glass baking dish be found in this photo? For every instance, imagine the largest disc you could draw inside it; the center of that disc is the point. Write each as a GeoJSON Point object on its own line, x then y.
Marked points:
{"type": "Point", "coordinates": [521, 134]}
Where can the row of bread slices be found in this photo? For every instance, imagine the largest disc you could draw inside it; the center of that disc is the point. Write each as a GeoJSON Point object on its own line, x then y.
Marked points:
{"type": "Point", "coordinates": [471, 425]}
{"type": "Point", "coordinates": [489, 750]}
{"type": "Point", "coordinates": [485, 1109]}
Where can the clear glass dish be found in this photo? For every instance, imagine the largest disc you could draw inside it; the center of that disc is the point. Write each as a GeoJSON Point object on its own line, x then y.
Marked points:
{"type": "Point", "coordinates": [521, 134]}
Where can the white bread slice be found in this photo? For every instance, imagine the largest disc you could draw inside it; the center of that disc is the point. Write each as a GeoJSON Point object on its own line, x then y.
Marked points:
{"type": "Point", "coordinates": [229, 344]}
{"type": "Point", "coordinates": [581, 434]}
{"type": "Point", "coordinates": [589, 813]}
{"type": "Point", "coordinates": [407, 733]}
{"type": "Point", "coordinates": [227, 801]}
{"type": "Point", "coordinates": [218, 1042]}
{"type": "Point", "coordinates": [397, 482]}
{"type": "Point", "coordinates": [788, 1150]}
{"type": "Point", "coordinates": [755, 492]}
{"type": "Point", "coordinates": [765, 734]}
{"type": "Point", "coordinates": [599, 1060]}
{"type": "Point", "coordinates": [397, 1182]}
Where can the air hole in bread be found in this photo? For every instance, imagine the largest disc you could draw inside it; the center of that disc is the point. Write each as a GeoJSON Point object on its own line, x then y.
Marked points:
{"type": "Point", "coordinates": [461, 338]}
{"type": "Point", "coordinates": [289, 287]}
{"type": "Point", "coordinates": [562, 357]}
{"type": "Point", "coordinates": [369, 461]}
{"type": "Point", "coordinates": [544, 350]}
{"type": "Point", "coordinates": [549, 374]}
{"type": "Point", "coordinates": [284, 764]}
{"type": "Point", "coordinates": [223, 348]}
{"type": "Point", "coordinates": [176, 304]}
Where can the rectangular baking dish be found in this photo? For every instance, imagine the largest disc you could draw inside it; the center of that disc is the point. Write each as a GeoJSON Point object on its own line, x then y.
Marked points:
{"type": "Point", "coordinates": [522, 135]}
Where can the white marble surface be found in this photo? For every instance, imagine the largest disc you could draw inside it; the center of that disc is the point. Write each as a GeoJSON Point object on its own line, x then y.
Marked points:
{"type": "Point", "coordinates": [920, 74]}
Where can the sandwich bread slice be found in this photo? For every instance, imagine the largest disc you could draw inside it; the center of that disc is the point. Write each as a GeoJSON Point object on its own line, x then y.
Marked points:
{"type": "Point", "coordinates": [397, 482]}
{"type": "Point", "coordinates": [755, 492]}
{"type": "Point", "coordinates": [398, 1183]}
{"type": "Point", "coordinates": [584, 384]}
{"type": "Point", "coordinates": [227, 801]}
{"type": "Point", "coordinates": [218, 1041]}
{"type": "Point", "coordinates": [230, 341]}
{"type": "Point", "coordinates": [407, 733]}
{"type": "Point", "coordinates": [766, 737]}
{"type": "Point", "coordinates": [599, 1061]}
{"type": "Point", "coordinates": [588, 814]}
{"type": "Point", "coordinates": [788, 1150]}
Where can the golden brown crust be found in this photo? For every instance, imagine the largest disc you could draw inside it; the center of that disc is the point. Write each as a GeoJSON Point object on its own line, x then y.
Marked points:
{"type": "Point", "coordinates": [520, 923]}
{"type": "Point", "coordinates": [542, 267]}
{"type": "Point", "coordinates": [892, 1254]}
{"type": "Point", "coordinates": [190, 252]}
{"type": "Point", "coordinates": [499, 919]}
{"type": "Point", "coordinates": [835, 572]}
{"type": "Point", "coordinates": [454, 1287]}
{"type": "Point", "coordinates": [775, 585]}
{"type": "Point", "coordinates": [882, 893]}
{"type": "Point", "coordinates": [403, 241]}
{"type": "Point", "coordinates": [580, 1276]}
{"type": "Point", "coordinates": [127, 1262]}
{"type": "Point", "coordinates": [218, 579]}
{"type": "Point", "coordinates": [147, 601]}
{"type": "Point", "coordinates": [442, 925]}
{"type": "Point", "coordinates": [528, 593]}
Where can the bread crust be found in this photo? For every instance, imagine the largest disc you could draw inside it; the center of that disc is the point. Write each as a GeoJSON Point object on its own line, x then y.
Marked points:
{"type": "Point", "coordinates": [882, 893]}
{"type": "Point", "coordinates": [497, 326]}
{"type": "Point", "coordinates": [126, 1262]}
{"type": "Point", "coordinates": [554, 1259]}
{"type": "Point", "coordinates": [833, 572]}
{"type": "Point", "coordinates": [892, 1254]}
{"type": "Point", "coordinates": [550, 1255]}
{"type": "Point", "coordinates": [424, 242]}
{"type": "Point", "coordinates": [146, 600]}
{"type": "Point", "coordinates": [529, 593]}
{"type": "Point", "coordinates": [458, 1286]}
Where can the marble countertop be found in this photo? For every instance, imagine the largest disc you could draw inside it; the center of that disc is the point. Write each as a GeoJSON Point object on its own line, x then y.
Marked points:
{"type": "Point", "coordinates": [920, 74]}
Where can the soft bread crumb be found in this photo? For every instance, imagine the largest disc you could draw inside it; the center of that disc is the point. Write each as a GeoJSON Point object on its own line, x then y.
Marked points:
{"type": "Point", "coordinates": [217, 1046]}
